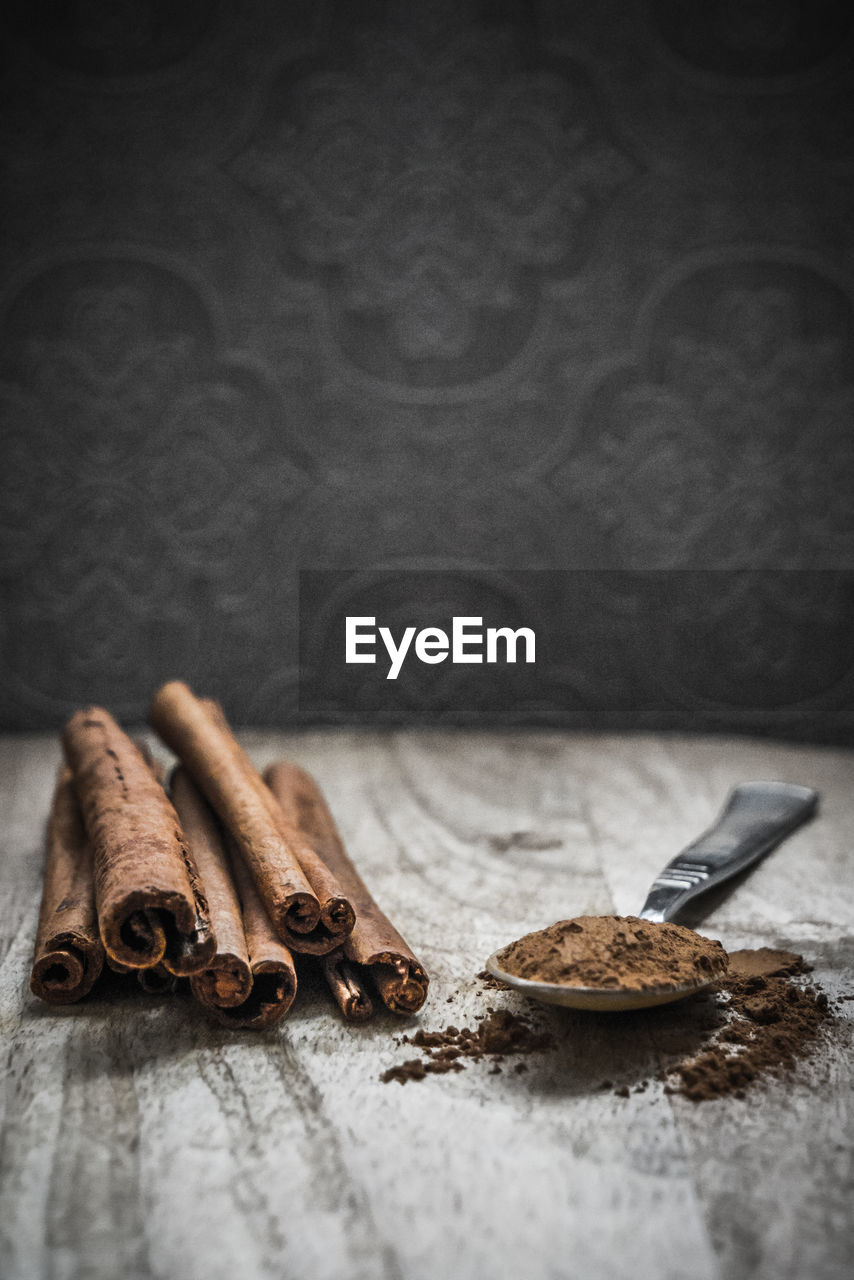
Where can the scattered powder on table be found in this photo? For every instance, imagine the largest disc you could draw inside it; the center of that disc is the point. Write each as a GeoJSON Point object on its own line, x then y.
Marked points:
{"type": "Point", "coordinates": [771, 1023]}
{"type": "Point", "coordinates": [491, 983]}
{"type": "Point", "coordinates": [498, 1034]}
{"type": "Point", "coordinates": [614, 951]}
{"type": "Point", "coordinates": [761, 1021]}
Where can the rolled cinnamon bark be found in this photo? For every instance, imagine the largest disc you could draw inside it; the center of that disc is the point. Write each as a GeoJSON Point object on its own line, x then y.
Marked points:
{"type": "Point", "coordinates": [304, 901]}
{"type": "Point", "coordinates": [337, 915]}
{"type": "Point", "coordinates": [69, 954]}
{"type": "Point", "coordinates": [157, 981]}
{"type": "Point", "coordinates": [374, 947]}
{"type": "Point", "coordinates": [348, 986]}
{"type": "Point", "coordinates": [227, 979]}
{"type": "Point", "coordinates": [150, 901]}
{"type": "Point", "coordinates": [274, 979]}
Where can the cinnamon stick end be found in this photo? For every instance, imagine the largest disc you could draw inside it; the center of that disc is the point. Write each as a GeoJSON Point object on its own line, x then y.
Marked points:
{"type": "Point", "coordinates": [339, 917]}
{"type": "Point", "coordinates": [188, 954]}
{"type": "Point", "coordinates": [132, 936]}
{"type": "Point", "coordinates": [300, 916]}
{"type": "Point", "coordinates": [68, 971]}
{"type": "Point", "coordinates": [358, 1009]}
{"type": "Point", "coordinates": [225, 984]}
{"type": "Point", "coordinates": [347, 983]}
{"type": "Point", "coordinates": [401, 982]}
{"type": "Point", "coordinates": [274, 988]}
{"type": "Point", "coordinates": [157, 981]}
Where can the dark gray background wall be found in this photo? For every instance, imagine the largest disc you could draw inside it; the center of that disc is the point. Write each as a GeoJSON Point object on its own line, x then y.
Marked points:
{"type": "Point", "coordinates": [451, 287]}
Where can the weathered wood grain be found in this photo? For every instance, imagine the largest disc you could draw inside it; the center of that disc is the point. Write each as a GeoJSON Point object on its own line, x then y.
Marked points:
{"type": "Point", "coordinates": [142, 1140]}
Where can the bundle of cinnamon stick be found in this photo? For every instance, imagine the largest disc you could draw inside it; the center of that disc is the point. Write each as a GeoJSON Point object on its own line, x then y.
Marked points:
{"type": "Point", "coordinates": [217, 876]}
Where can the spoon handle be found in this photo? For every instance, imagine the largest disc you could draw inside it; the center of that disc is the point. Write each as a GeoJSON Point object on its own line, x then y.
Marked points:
{"type": "Point", "coordinates": [755, 818]}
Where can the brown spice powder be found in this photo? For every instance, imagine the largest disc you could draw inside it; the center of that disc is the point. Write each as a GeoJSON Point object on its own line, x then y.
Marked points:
{"type": "Point", "coordinates": [771, 1023]}
{"type": "Point", "coordinates": [490, 983]}
{"type": "Point", "coordinates": [615, 951]}
{"type": "Point", "coordinates": [497, 1034]}
{"type": "Point", "coordinates": [760, 1023]}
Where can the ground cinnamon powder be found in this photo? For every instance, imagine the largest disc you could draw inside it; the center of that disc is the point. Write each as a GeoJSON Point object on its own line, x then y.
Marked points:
{"type": "Point", "coordinates": [768, 1023]}
{"type": "Point", "coordinates": [761, 1019]}
{"type": "Point", "coordinates": [498, 1034]}
{"type": "Point", "coordinates": [614, 951]}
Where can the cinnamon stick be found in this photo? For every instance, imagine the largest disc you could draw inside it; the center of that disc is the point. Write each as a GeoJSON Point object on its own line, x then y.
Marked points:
{"type": "Point", "coordinates": [348, 986]}
{"type": "Point", "coordinates": [150, 901]}
{"type": "Point", "coordinates": [157, 981]}
{"type": "Point", "coordinates": [69, 954]}
{"type": "Point", "coordinates": [337, 916]}
{"type": "Point", "coordinates": [227, 979]}
{"type": "Point", "coordinates": [304, 900]}
{"type": "Point", "coordinates": [274, 979]}
{"type": "Point", "coordinates": [374, 947]}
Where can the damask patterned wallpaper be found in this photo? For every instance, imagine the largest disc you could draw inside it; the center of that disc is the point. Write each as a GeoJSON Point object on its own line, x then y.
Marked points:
{"type": "Point", "coordinates": [454, 287]}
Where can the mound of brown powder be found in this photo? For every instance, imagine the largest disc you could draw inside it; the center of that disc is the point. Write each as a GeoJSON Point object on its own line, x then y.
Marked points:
{"type": "Point", "coordinates": [614, 951]}
{"type": "Point", "coordinates": [498, 1034]}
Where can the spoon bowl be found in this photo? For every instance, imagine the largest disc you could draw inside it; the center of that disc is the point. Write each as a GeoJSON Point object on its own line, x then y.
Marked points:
{"type": "Point", "coordinates": [599, 999]}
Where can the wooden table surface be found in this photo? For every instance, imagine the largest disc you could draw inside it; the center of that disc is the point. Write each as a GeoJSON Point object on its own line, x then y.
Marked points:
{"type": "Point", "coordinates": [141, 1140]}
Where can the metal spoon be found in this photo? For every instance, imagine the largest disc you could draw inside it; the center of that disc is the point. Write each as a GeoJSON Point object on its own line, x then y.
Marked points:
{"type": "Point", "coordinates": [755, 818]}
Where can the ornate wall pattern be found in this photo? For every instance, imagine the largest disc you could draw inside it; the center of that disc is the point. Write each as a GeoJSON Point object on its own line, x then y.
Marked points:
{"type": "Point", "coordinates": [460, 287]}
